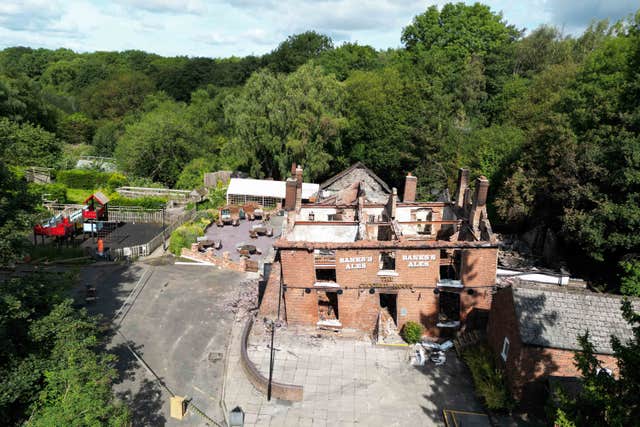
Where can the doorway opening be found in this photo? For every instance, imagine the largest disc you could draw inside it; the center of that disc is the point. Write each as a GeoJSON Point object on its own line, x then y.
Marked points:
{"type": "Point", "coordinates": [389, 302]}
{"type": "Point", "coordinates": [328, 306]}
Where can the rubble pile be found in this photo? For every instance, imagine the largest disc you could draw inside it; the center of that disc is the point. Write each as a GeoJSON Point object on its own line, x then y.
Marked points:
{"type": "Point", "coordinates": [245, 301]}
{"type": "Point", "coordinates": [514, 253]}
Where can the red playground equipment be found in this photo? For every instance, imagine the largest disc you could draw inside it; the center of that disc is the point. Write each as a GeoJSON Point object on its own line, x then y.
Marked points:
{"type": "Point", "coordinates": [96, 206]}
{"type": "Point", "coordinates": [55, 227]}
{"type": "Point", "coordinates": [65, 223]}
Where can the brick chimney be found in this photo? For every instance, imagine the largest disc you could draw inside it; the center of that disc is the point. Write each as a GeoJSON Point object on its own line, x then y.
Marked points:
{"type": "Point", "coordinates": [410, 186]}
{"type": "Point", "coordinates": [298, 204]}
{"type": "Point", "coordinates": [293, 169]}
{"type": "Point", "coordinates": [463, 184]}
{"type": "Point", "coordinates": [290, 194]}
{"type": "Point", "coordinates": [479, 201]}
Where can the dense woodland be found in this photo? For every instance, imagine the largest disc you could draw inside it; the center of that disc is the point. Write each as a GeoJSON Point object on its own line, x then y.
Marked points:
{"type": "Point", "coordinates": [552, 120]}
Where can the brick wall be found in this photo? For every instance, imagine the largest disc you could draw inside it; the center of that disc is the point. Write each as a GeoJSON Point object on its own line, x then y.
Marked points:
{"type": "Point", "coordinates": [527, 364]}
{"type": "Point", "coordinates": [269, 304]}
{"type": "Point", "coordinates": [355, 267]}
{"type": "Point", "coordinates": [503, 323]}
{"type": "Point", "coordinates": [479, 266]}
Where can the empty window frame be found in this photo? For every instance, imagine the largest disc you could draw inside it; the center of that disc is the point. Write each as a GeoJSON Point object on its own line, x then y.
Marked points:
{"type": "Point", "coordinates": [505, 349]}
{"type": "Point", "coordinates": [387, 261]}
{"type": "Point", "coordinates": [423, 215]}
{"type": "Point", "coordinates": [325, 274]}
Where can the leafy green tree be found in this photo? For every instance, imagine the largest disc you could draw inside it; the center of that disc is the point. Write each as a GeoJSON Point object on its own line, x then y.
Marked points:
{"type": "Point", "coordinates": [349, 57]}
{"type": "Point", "coordinates": [297, 50]}
{"type": "Point", "coordinates": [21, 100]}
{"type": "Point", "coordinates": [16, 209]}
{"type": "Point", "coordinates": [630, 278]}
{"type": "Point", "coordinates": [106, 137]}
{"type": "Point", "coordinates": [28, 145]}
{"type": "Point", "coordinates": [279, 119]}
{"type": "Point", "coordinates": [160, 144]}
{"type": "Point", "coordinates": [379, 131]}
{"type": "Point", "coordinates": [117, 96]}
{"type": "Point", "coordinates": [458, 30]}
{"type": "Point", "coordinates": [77, 382]}
{"type": "Point", "coordinates": [192, 176]}
{"type": "Point", "coordinates": [76, 129]}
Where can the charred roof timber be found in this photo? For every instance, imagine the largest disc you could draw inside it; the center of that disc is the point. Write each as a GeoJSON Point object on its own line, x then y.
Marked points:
{"type": "Point", "coordinates": [344, 213]}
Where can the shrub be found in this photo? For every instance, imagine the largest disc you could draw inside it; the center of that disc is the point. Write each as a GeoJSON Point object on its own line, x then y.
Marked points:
{"type": "Point", "coordinates": [145, 202]}
{"type": "Point", "coordinates": [55, 191]}
{"type": "Point", "coordinates": [489, 381]}
{"type": "Point", "coordinates": [189, 232]}
{"type": "Point", "coordinates": [116, 180]}
{"type": "Point", "coordinates": [183, 237]}
{"type": "Point", "coordinates": [80, 178]}
{"type": "Point", "coordinates": [411, 332]}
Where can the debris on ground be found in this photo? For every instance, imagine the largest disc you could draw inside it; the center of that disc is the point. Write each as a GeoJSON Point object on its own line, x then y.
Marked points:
{"type": "Point", "coordinates": [387, 329]}
{"type": "Point", "coordinates": [245, 301]}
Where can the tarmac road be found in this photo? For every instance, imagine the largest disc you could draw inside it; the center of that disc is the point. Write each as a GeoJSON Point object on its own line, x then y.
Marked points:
{"type": "Point", "coordinates": [173, 317]}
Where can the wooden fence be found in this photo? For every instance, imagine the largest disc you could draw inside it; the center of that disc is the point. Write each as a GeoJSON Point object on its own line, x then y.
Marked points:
{"type": "Point", "coordinates": [146, 249]}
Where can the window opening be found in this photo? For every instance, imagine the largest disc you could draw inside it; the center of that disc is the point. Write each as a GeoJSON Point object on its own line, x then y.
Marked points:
{"type": "Point", "coordinates": [449, 307]}
{"type": "Point", "coordinates": [505, 349]}
{"type": "Point", "coordinates": [387, 261]}
{"type": "Point", "coordinates": [325, 274]}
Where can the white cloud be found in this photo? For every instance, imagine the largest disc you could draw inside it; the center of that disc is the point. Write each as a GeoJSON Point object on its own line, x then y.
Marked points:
{"type": "Point", "coordinates": [241, 27]}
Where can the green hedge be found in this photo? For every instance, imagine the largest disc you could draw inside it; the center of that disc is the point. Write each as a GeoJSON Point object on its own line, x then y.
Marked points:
{"type": "Point", "coordinates": [188, 233]}
{"type": "Point", "coordinates": [489, 381]}
{"type": "Point", "coordinates": [55, 191]}
{"type": "Point", "coordinates": [90, 179]}
{"type": "Point", "coordinates": [145, 202]}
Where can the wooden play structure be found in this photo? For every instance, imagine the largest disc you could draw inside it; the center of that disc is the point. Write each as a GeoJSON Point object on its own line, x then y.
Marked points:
{"type": "Point", "coordinates": [96, 207]}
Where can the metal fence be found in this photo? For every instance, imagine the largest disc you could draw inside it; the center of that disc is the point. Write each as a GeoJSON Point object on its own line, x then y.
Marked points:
{"type": "Point", "coordinates": [136, 214]}
{"type": "Point", "coordinates": [134, 192]}
{"type": "Point", "coordinates": [147, 248]}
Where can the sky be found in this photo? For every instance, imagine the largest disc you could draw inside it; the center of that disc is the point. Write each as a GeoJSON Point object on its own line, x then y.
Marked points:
{"type": "Point", "coordinates": [223, 28]}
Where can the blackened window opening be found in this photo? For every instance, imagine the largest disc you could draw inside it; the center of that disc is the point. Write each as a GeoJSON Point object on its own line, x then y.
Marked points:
{"type": "Point", "coordinates": [449, 306]}
{"type": "Point", "coordinates": [325, 274]}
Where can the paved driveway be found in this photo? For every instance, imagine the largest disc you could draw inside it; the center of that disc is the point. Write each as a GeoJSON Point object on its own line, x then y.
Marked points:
{"type": "Point", "coordinates": [175, 320]}
{"type": "Point", "coordinates": [349, 382]}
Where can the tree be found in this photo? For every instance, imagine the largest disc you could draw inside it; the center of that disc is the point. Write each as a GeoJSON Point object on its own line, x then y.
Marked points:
{"type": "Point", "coordinates": [606, 400]}
{"type": "Point", "coordinates": [28, 145]}
{"type": "Point", "coordinates": [349, 57]}
{"type": "Point", "coordinates": [379, 131]}
{"type": "Point", "coordinates": [297, 50]}
{"type": "Point", "coordinates": [21, 100]}
{"type": "Point", "coordinates": [76, 129]}
{"type": "Point", "coordinates": [77, 382]}
{"type": "Point", "coordinates": [459, 30]}
{"type": "Point", "coordinates": [117, 96]}
{"type": "Point", "coordinates": [630, 278]}
{"type": "Point", "coordinates": [16, 210]}
{"type": "Point", "coordinates": [280, 119]}
{"type": "Point", "coordinates": [192, 176]}
{"type": "Point", "coordinates": [105, 138]}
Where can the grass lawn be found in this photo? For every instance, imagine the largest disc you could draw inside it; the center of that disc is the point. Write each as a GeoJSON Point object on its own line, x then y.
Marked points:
{"type": "Point", "coordinates": [78, 195]}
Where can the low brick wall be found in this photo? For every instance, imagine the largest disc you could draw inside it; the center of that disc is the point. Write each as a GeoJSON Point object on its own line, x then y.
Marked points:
{"type": "Point", "coordinates": [290, 392]}
{"type": "Point", "coordinates": [222, 262]}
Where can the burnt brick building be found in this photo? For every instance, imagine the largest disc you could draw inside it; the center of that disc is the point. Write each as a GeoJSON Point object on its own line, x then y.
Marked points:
{"type": "Point", "coordinates": [533, 331]}
{"type": "Point", "coordinates": [345, 258]}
